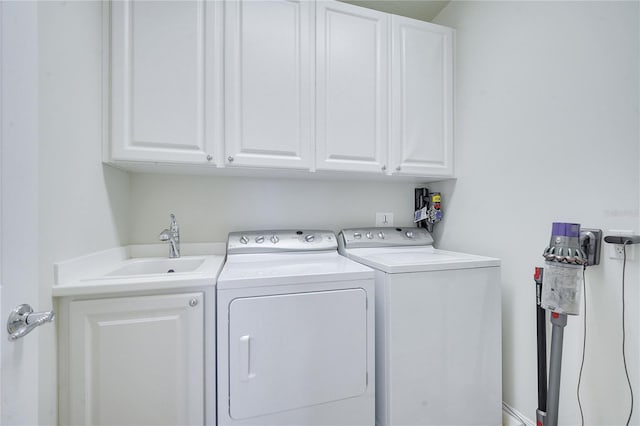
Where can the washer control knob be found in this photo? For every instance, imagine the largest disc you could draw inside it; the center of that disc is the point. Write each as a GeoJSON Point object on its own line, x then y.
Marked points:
{"type": "Point", "coordinates": [357, 235]}
{"type": "Point", "coordinates": [274, 239]}
{"type": "Point", "coordinates": [309, 238]}
{"type": "Point", "coordinates": [260, 239]}
{"type": "Point", "coordinates": [244, 239]}
{"type": "Point", "coordinates": [381, 235]}
{"type": "Point", "coordinates": [370, 235]}
{"type": "Point", "coordinates": [409, 234]}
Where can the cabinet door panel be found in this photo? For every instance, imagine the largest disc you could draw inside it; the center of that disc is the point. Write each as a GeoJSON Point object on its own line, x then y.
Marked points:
{"type": "Point", "coordinates": [422, 113]}
{"type": "Point", "coordinates": [159, 62]}
{"type": "Point", "coordinates": [137, 360]}
{"type": "Point", "coordinates": [268, 82]}
{"type": "Point", "coordinates": [352, 87]}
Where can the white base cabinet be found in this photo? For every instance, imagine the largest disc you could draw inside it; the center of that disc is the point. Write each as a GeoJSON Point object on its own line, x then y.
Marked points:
{"type": "Point", "coordinates": [135, 361]}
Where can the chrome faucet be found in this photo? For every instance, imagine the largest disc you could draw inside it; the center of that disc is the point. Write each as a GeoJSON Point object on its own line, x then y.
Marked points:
{"type": "Point", "coordinates": [172, 235]}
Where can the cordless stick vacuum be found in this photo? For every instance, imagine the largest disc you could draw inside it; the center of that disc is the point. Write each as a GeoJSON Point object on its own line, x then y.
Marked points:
{"type": "Point", "coordinates": [558, 291]}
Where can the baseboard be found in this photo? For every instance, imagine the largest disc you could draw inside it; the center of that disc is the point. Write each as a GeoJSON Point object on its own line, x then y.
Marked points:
{"type": "Point", "coordinates": [512, 417]}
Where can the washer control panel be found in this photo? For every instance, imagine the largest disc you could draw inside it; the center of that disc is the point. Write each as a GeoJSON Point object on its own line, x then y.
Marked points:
{"type": "Point", "coordinates": [280, 241]}
{"type": "Point", "coordinates": [384, 237]}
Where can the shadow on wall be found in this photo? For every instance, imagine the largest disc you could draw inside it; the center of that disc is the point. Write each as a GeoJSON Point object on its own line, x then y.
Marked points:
{"type": "Point", "coordinates": [118, 185]}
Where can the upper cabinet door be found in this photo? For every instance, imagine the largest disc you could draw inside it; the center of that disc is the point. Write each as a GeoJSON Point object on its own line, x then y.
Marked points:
{"type": "Point", "coordinates": [422, 105]}
{"type": "Point", "coordinates": [269, 83]}
{"type": "Point", "coordinates": [164, 67]}
{"type": "Point", "coordinates": [352, 87]}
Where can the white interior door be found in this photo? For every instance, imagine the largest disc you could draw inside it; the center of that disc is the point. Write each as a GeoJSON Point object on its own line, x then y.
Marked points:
{"type": "Point", "coordinates": [18, 207]}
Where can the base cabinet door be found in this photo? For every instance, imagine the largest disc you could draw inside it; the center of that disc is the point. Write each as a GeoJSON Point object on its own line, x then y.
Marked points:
{"type": "Point", "coordinates": [422, 104]}
{"type": "Point", "coordinates": [268, 83]}
{"type": "Point", "coordinates": [352, 85]}
{"type": "Point", "coordinates": [137, 361]}
{"type": "Point", "coordinates": [165, 81]}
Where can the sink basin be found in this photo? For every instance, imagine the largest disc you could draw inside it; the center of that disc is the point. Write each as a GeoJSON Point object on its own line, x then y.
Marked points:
{"type": "Point", "coordinates": [155, 266]}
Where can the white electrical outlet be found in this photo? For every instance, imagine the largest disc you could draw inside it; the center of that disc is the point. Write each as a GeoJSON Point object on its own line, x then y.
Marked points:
{"type": "Point", "coordinates": [384, 219]}
{"type": "Point", "coordinates": [617, 251]}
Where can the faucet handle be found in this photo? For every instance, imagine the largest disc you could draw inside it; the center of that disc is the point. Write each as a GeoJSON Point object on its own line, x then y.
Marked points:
{"type": "Point", "coordinates": [173, 226]}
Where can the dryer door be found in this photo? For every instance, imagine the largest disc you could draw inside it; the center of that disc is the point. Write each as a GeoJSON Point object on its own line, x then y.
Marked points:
{"type": "Point", "coordinates": [295, 350]}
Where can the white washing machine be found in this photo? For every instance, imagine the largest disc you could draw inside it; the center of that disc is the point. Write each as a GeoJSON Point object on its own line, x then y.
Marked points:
{"type": "Point", "coordinates": [438, 329]}
{"type": "Point", "coordinates": [295, 323]}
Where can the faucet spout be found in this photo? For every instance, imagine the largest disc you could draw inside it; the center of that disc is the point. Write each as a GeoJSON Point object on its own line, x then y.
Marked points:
{"type": "Point", "coordinates": [172, 235]}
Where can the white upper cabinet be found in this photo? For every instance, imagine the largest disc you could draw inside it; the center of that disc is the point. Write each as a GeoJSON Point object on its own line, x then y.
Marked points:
{"type": "Point", "coordinates": [352, 86]}
{"type": "Point", "coordinates": [422, 92]}
{"type": "Point", "coordinates": [163, 69]}
{"type": "Point", "coordinates": [269, 83]}
{"type": "Point", "coordinates": [279, 84]}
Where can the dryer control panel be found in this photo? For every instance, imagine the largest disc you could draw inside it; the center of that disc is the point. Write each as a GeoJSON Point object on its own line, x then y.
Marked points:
{"type": "Point", "coordinates": [383, 237]}
{"type": "Point", "coordinates": [280, 241]}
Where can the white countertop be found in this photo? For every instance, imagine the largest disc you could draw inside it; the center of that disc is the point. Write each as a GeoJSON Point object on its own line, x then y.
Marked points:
{"type": "Point", "coordinates": [93, 273]}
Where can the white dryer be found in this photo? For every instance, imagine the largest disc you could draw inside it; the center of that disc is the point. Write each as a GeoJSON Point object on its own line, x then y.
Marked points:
{"type": "Point", "coordinates": [438, 329]}
{"type": "Point", "coordinates": [295, 332]}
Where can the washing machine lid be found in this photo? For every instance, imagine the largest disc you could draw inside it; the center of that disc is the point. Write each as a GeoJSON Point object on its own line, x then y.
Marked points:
{"type": "Point", "coordinates": [269, 269]}
{"type": "Point", "coordinates": [416, 259]}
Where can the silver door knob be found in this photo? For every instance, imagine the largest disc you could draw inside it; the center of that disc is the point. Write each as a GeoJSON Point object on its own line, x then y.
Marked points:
{"type": "Point", "coordinates": [22, 320]}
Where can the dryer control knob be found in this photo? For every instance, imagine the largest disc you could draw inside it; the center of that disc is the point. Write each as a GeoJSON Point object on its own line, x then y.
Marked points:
{"type": "Point", "coordinates": [369, 235]}
{"type": "Point", "coordinates": [357, 235]}
{"type": "Point", "coordinates": [274, 239]}
{"type": "Point", "coordinates": [260, 239]}
{"type": "Point", "coordinates": [381, 235]}
{"type": "Point", "coordinates": [409, 234]}
{"type": "Point", "coordinates": [309, 238]}
{"type": "Point", "coordinates": [244, 239]}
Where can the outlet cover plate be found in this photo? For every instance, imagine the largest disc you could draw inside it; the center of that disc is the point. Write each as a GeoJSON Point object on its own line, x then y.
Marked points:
{"type": "Point", "coordinates": [384, 219]}
{"type": "Point", "coordinates": [616, 251]}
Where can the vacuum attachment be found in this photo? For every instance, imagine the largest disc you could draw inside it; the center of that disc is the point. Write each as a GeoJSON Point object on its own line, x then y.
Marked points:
{"type": "Point", "coordinates": [564, 264]}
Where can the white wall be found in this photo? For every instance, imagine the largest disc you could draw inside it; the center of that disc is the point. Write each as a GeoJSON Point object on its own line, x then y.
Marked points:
{"type": "Point", "coordinates": [208, 208]}
{"type": "Point", "coordinates": [83, 204]}
{"type": "Point", "coordinates": [547, 130]}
